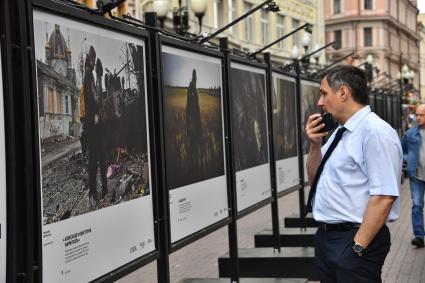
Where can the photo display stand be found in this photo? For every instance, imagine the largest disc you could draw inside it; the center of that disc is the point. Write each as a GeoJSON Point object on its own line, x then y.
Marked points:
{"type": "Point", "coordinates": [3, 191]}
{"type": "Point", "coordinates": [372, 101]}
{"type": "Point", "coordinates": [310, 94]}
{"type": "Point", "coordinates": [389, 109]}
{"type": "Point", "coordinates": [397, 111]}
{"type": "Point", "coordinates": [97, 184]}
{"type": "Point", "coordinates": [285, 127]}
{"type": "Point", "coordinates": [249, 127]}
{"type": "Point", "coordinates": [194, 146]}
{"type": "Point", "coordinates": [380, 106]}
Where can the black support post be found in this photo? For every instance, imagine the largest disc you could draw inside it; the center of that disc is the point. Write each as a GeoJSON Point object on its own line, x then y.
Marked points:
{"type": "Point", "coordinates": [24, 230]}
{"type": "Point", "coordinates": [272, 161]}
{"type": "Point", "coordinates": [301, 196]}
{"type": "Point", "coordinates": [163, 261]}
{"type": "Point", "coordinates": [231, 180]}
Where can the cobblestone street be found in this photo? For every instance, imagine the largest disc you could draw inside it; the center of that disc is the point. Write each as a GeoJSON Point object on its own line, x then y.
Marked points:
{"type": "Point", "coordinates": [404, 263]}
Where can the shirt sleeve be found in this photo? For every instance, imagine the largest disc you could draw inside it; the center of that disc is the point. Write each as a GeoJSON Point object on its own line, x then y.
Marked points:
{"type": "Point", "coordinates": [383, 157]}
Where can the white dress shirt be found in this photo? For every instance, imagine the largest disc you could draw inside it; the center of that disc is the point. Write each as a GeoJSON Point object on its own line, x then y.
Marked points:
{"type": "Point", "coordinates": [367, 161]}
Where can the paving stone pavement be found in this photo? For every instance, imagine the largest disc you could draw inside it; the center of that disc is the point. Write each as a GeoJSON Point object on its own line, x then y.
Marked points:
{"type": "Point", "coordinates": [404, 263]}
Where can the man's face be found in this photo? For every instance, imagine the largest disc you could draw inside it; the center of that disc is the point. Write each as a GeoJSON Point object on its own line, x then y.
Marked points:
{"type": "Point", "coordinates": [328, 99]}
{"type": "Point", "coordinates": [420, 115]}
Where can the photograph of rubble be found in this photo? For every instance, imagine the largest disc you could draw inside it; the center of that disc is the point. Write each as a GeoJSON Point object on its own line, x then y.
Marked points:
{"type": "Point", "coordinates": [92, 120]}
{"type": "Point", "coordinates": [310, 95]}
{"type": "Point", "coordinates": [193, 123]}
{"type": "Point", "coordinates": [284, 118]}
{"type": "Point", "coordinates": [249, 121]}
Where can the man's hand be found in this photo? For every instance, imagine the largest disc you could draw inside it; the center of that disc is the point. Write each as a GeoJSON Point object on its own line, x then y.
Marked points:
{"type": "Point", "coordinates": [313, 125]}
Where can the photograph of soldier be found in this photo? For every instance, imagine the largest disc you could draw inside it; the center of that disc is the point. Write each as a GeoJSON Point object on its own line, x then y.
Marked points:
{"type": "Point", "coordinates": [249, 124]}
{"type": "Point", "coordinates": [284, 119]}
{"type": "Point", "coordinates": [92, 121]}
{"type": "Point", "coordinates": [310, 94]}
{"type": "Point", "coordinates": [193, 120]}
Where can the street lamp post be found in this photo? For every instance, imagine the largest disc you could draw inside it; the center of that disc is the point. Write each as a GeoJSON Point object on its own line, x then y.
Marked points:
{"type": "Point", "coordinates": [369, 67]}
{"type": "Point", "coordinates": [295, 53]}
{"type": "Point", "coordinates": [180, 19]}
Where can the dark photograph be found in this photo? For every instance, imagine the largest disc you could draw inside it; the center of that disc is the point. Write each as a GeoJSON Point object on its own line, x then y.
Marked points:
{"type": "Point", "coordinates": [249, 121]}
{"type": "Point", "coordinates": [310, 95]}
{"type": "Point", "coordinates": [92, 120]}
{"type": "Point", "coordinates": [284, 119]}
{"type": "Point", "coordinates": [192, 119]}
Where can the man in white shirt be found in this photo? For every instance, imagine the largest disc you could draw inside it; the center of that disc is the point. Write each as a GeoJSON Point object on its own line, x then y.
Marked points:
{"type": "Point", "coordinates": [355, 180]}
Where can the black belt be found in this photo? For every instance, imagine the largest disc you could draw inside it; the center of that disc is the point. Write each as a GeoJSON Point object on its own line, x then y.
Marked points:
{"type": "Point", "coordinates": [346, 226]}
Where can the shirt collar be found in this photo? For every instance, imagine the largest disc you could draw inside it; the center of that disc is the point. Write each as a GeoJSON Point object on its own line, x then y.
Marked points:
{"type": "Point", "coordinates": [354, 120]}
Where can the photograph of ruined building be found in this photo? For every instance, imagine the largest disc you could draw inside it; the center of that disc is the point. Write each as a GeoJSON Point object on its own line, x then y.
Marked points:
{"type": "Point", "coordinates": [92, 120]}
{"type": "Point", "coordinates": [310, 95]}
{"type": "Point", "coordinates": [284, 119]}
{"type": "Point", "coordinates": [249, 122]}
{"type": "Point", "coordinates": [193, 125]}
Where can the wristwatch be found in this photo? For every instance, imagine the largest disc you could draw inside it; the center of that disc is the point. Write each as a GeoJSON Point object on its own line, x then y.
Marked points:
{"type": "Point", "coordinates": [358, 248]}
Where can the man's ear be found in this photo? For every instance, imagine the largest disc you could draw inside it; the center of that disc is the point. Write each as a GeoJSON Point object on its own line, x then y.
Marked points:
{"type": "Point", "coordinates": [344, 93]}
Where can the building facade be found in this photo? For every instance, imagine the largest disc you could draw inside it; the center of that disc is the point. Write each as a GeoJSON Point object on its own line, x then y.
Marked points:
{"type": "Point", "coordinates": [258, 29]}
{"type": "Point", "coordinates": [58, 98]}
{"type": "Point", "coordinates": [386, 29]}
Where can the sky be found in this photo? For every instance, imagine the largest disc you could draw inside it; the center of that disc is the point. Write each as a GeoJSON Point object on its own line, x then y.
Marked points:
{"type": "Point", "coordinates": [421, 6]}
{"type": "Point", "coordinates": [177, 71]}
{"type": "Point", "coordinates": [109, 49]}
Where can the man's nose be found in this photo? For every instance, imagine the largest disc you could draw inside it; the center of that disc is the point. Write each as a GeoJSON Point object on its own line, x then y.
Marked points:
{"type": "Point", "coordinates": [320, 102]}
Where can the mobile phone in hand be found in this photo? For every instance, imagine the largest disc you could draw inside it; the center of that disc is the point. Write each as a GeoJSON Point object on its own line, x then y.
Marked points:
{"type": "Point", "coordinates": [329, 123]}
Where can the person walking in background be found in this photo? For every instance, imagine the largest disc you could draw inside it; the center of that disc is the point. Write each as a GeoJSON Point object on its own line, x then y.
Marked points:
{"type": "Point", "coordinates": [355, 189]}
{"type": "Point", "coordinates": [414, 148]}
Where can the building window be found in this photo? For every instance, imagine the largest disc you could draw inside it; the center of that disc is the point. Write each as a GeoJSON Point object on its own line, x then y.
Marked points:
{"type": "Point", "coordinates": [367, 4]}
{"type": "Point", "coordinates": [338, 39]}
{"type": "Point", "coordinates": [367, 36]}
{"type": "Point", "coordinates": [66, 104]}
{"type": "Point", "coordinates": [280, 25]}
{"type": "Point", "coordinates": [295, 36]}
{"type": "Point", "coordinates": [249, 23]}
{"type": "Point", "coordinates": [58, 109]}
{"type": "Point", "coordinates": [265, 25]}
{"type": "Point", "coordinates": [232, 12]}
{"type": "Point", "coordinates": [50, 92]}
{"type": "Point", "coordinates": [337, 6]}
{"type": "Point", "coordinates": [218, 13]}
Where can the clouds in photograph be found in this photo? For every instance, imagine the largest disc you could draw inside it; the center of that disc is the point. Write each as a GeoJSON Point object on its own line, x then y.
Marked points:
{"type": "Point", "coordinates": [79, 37]}
{"type": "Point", "coordinates": [208, 74]}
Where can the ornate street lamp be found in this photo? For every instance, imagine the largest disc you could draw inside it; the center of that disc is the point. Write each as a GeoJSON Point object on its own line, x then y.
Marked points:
{"type": "Point", "coordinates": [369, 67]}
{"type": "Point", "coordinates": [305, 42]}
{"type": "Point", "coordinates": [199, 7]}
{"type": "Point", "coordinates": [181, 19]}
{"type": "Point", "coordinates": [317, 55]}
{"type": "Point", "coordinates": [295, 52]}
{"type": "Point", "coordinates": [161, 7]}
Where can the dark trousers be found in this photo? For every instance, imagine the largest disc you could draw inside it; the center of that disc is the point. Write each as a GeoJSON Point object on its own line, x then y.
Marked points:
{"type": "Point", "coordinates": [337, 262]}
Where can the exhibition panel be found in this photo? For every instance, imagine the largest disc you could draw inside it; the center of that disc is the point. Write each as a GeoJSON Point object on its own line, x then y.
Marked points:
{"type": "Point", "coordinates": [285, 132]}
{"type": "Point", "coordinates": [192, 99]}
{"type": "Point", "coordinates": [3, 203]}
{"type": "Point", "coordinates": [249, 133]}
{"type": "Point", "coordinates": [310, 94]}
{"type": "Point", "coordinates": [97, 201]}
